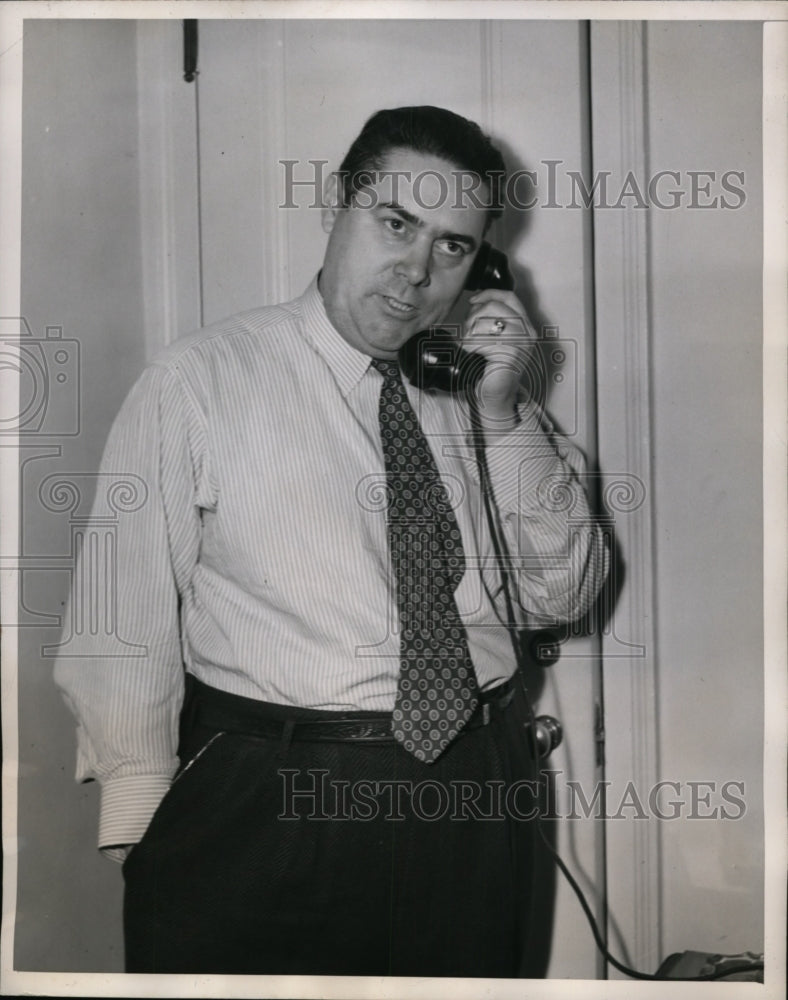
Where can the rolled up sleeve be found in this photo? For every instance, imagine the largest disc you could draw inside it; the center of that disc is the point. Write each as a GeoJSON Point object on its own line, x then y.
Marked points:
{"type": "Point", "coordinates": [558, 549]}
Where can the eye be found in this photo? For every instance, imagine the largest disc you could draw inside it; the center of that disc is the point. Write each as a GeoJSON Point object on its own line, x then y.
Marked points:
{"type": "Point", "coordinates": [452, 249]}
{"type": "Point", "coordinates": [394, 224]}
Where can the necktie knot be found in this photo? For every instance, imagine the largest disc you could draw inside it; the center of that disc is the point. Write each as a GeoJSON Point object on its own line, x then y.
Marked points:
{"type": "Point", "coordinates": [388, 369]}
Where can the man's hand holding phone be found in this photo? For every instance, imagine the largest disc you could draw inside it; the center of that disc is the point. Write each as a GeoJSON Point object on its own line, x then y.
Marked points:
{"type": "Point", "coordinates": [498, 328]}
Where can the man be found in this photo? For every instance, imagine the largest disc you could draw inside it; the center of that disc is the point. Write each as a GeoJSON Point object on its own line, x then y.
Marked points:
{"type": "Point", "coordinates": [314, 548]}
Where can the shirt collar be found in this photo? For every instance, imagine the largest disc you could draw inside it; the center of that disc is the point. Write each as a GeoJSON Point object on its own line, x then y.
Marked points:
{"type": "Point", "coordinates": [347, 364]}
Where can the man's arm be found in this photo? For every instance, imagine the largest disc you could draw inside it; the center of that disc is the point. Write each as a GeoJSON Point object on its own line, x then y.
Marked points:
{"type": "Point", "coordinates": [127, 707]}
{"type": "Point", "coordinates": [560, 554]}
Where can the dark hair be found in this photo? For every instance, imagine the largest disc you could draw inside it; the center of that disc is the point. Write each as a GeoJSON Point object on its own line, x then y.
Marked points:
{"type": "Point", "coordinates": [425, 129]}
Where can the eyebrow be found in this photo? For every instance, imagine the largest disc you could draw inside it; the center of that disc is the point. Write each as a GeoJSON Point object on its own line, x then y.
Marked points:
{"type": "Point", "coordinates": [414, 220]}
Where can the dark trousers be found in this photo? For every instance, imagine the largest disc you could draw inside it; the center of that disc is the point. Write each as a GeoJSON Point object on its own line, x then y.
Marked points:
{"type": "Point", "coordinates": [273, 855]}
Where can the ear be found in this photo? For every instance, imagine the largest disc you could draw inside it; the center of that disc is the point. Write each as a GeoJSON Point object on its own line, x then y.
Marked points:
{"type": "Point", "coordinates": [332, 202]}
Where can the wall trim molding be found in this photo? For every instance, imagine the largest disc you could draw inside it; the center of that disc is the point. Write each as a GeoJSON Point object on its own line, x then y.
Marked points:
{"type": "Point", "coordinates": [618, 96]}
{"type": "Point", "coordinates": [169, 190]}
{"type": "Point", "coordinates": [491, 68]}
{"type": "Point", "coordinates": [275, 232]}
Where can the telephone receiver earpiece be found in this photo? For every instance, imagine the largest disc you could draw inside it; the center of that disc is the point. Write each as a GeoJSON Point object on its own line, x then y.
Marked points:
{"type": "Point", "coordinates": [432, 359]}
{"type": "Point", "coordinates": [490, 269]}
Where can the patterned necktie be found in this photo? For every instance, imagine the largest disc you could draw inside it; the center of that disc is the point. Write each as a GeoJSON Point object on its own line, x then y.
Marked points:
{"type": "Point", "coordinates": [437, 691]}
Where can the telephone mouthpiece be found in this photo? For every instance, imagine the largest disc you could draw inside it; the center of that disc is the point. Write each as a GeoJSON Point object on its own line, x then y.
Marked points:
{"type": "Point", "coordinates": [434, 360]}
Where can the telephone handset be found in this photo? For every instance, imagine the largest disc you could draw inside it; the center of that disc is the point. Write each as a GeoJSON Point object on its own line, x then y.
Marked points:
{"type": "Point", "coordinates": [433, 359]}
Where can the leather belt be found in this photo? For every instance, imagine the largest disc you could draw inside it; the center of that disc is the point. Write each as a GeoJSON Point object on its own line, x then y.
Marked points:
{"type": "Point", "coordinates": [231, 713]}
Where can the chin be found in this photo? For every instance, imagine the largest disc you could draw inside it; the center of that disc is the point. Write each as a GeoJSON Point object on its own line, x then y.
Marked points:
{"type": "Point", "coordinates": [390, 344]}
{"type": "Point", "coordinates": [388, 351]}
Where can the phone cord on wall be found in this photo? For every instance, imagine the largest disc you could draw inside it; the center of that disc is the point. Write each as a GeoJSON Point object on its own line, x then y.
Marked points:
{"type": "Point", "coordinates": [500, 551]}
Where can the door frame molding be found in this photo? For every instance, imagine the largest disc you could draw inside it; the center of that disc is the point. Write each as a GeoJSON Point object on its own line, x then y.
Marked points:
{"type": "Point", "coordinates": [621, 248]}
{"type": "Point", "coordinates": [169, 186]}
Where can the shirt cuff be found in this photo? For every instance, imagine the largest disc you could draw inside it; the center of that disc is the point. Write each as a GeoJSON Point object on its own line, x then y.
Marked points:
{"type": "Point", "coordinates": [127, 807]}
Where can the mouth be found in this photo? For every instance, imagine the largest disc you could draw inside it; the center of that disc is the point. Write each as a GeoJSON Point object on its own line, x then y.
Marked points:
{"type": "Point", "coordinates": [397, 307]}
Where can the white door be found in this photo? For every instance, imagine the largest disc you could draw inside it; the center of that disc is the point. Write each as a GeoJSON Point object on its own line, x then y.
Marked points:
{"type": "Point", "coordinates": [299, 91]}
{"type": "Point", "coordinates": [679, 374]}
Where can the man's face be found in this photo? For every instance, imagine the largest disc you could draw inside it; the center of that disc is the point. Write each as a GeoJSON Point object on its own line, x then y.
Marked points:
{"type": "Point", "coordinates": [398, 256]}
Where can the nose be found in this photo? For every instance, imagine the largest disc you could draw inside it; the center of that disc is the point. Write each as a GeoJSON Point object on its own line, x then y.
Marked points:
{"type": "Point", "coordinates": [414, 264]}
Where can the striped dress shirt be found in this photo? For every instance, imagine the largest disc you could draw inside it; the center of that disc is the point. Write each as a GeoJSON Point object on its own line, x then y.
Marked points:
{"type": "Point", "coordinates": [258, 558]}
